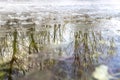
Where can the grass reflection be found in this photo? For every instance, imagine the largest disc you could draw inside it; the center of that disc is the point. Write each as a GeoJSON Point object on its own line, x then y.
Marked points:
{"type": "Point", "coordinates": [88, 49]}
{"type": "Point", "coordinates": [32, 43]}
{"type": "Point", "coordinates": [27, 51]}
{"type": "Point", "coordinates": [13, 59]}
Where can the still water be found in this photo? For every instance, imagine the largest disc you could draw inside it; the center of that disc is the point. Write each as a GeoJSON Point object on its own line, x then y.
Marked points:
{"type": "Point", "coordinates": [59, 43]}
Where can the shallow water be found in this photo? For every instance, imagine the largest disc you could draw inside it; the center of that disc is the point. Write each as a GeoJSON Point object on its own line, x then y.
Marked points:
{"type": "Point", "coordinates": [63, 42]}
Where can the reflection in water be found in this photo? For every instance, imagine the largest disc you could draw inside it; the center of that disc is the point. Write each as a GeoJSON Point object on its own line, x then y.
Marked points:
{"type": "Point", "coordinates": [57, 50]}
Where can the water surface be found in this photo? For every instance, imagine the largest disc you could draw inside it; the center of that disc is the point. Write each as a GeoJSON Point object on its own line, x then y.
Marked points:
{"type": "Point", "coordinates": [63, 42]}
